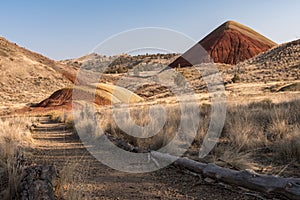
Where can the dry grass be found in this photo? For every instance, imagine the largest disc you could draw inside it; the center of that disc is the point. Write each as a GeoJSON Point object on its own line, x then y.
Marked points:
{"type": "Point", "coordinates": [160, 130]}
{"type": "Point", "coordinates": [248, 130]}
{"type": "Point", "coordinates": [288, 148]}
{"type": "Point", "coordinates": [262, 125]}
{"type": "Point", "coordinates": [15, 137]}
{"type": "Point", "coordinates": [66, 186]}
{"type": "Point", "coordinates": [233, 158]}
{"type": "Point", "coordinates": [65, 117]}
{"type": "Point", "coordinates": [105, 120]}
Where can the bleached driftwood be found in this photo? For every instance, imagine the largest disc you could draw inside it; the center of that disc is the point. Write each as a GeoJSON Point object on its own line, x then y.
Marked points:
{"type": "Point", "coordinates": [289, 187]}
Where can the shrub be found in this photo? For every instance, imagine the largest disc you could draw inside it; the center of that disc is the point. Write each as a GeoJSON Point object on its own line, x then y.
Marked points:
{"type": "Point", "coordinates": [179, 80]}
{"type": "Point", "coordinates": [15, 136]}
{"type": "Point", "coordinates": [288, 148]}
{"type": "Point", "coordinates": [236, 78]}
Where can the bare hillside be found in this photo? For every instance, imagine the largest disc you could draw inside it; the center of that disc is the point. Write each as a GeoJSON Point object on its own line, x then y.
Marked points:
{"type": "Point", "coordinates": [281, 63]}
{"type": "Point", "coordinates": [26, 76]}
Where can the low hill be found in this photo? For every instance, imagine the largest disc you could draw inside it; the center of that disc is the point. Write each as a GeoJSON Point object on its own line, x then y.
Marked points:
{"type": "Point", "coordinates": [100, 94]}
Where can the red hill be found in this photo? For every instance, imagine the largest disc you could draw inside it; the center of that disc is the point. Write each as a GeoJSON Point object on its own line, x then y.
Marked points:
{"type": "Point", "coordinates": [230, 43]}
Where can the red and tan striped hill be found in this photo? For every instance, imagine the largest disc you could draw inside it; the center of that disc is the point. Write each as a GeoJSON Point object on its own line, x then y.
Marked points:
{"type": "Point", "coordinates": [230, 43]}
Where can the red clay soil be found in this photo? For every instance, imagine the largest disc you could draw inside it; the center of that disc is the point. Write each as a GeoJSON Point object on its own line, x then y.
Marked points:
{"type": "Point", "coordinates": [61, 100]}
{"type": "Point", "coordinates": [230, 43]}
{"type": "Point", "coordinates": [58, 98]}
{"type": "Point", "coordinates": [64, 97]}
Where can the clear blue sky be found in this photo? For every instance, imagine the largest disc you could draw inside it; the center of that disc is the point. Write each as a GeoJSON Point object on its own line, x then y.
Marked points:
{"type": "Point", "coordinates": [62, 29]}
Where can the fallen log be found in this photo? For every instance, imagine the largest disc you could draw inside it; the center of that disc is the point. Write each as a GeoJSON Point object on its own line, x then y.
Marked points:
{"type": "Point", "coordinates": [288, 187]}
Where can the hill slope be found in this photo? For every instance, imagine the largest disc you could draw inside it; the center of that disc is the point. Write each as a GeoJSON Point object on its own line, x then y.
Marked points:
{"type": "Point", "coordinates": [230, 43]}
{"type": "Point", "coordinates": [27, 76]}
{"type": "Point", "coordinates": [281, 63]}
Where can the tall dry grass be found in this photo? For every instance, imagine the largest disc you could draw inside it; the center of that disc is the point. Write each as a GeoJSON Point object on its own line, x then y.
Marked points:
{"type": "Point", "coordinates": [65, 117]}
{"type": "Point", "coordinates": [156, 135]}
{"type": "Point", "coordinates": [15, 138]}
{"type": "Point", "coordinates": [262, 125]}
{"type": "Point", "coordinates": [248, 130]}
{"type": "Point", "coordinates": [67, 186]}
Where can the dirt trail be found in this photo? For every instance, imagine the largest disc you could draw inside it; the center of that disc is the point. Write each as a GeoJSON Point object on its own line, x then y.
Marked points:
{"type": "Point", "coordinates": [58, 146]}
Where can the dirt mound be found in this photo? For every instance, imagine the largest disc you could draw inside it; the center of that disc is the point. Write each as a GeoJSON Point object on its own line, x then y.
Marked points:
{"type": "Point", "coordinates": [100, 94]}
{"type": "Point", "coordinates": [63, 97]}
{"type": "Point", "coordinates": [230, 43]}
{"type": "Point", "coordinates": [58, 98]}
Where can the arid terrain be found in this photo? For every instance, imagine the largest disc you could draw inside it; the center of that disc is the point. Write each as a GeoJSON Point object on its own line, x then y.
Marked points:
{"type": "Point", "coordinates": [46, 104]}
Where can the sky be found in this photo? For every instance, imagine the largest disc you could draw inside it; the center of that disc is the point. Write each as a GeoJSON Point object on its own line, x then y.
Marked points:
{"type": "Point", "coordinates": [63, 29]}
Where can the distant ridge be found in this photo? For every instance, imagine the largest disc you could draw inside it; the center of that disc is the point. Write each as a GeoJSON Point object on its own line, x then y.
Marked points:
{"type": "Point", "coordinates": [230, 43]}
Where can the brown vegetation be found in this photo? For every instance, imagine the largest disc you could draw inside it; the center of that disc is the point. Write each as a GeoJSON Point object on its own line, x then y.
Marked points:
{"type": "Point", "coordinates": [256, 136]}
{"type": "Point", "coordinates": [15, 137]}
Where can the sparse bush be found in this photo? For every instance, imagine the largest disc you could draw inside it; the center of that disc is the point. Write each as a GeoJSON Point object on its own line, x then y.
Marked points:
{"type": "Point", "coordinates": [288, 148]}
{"type": "Point", "coordinates": [261, 125]}
{"type": "Point", "coordinates": [179, 80]}
{"type": "Point", "coordinates": [248, 129]}
{"type": "Point", "coordinates": [242, 131]}
{"type": "Point", "coordinates": [264, 104]}
{"type": "Point", "coordinates": [236, 78]}
{"type": "Point", "coordinates": [277, 129]}
{"type": "Point", "coordinates": [63, 117]}
{"type": "Point", "coordinates": [66, 186]}
{"type": "Point", "coordinates": [232, 157]}
{"type": "Point", "coordinates": [136, 71]}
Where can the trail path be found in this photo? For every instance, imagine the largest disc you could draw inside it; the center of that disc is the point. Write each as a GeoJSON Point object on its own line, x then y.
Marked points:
{"type": "Point", "coordinates": [93, 180]}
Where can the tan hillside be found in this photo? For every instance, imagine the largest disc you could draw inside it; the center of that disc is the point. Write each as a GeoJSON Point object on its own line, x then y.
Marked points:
{"type": "Point", "coordinates": [281, 63]}
{"type": "Point", "coordinates": [26, 76]}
